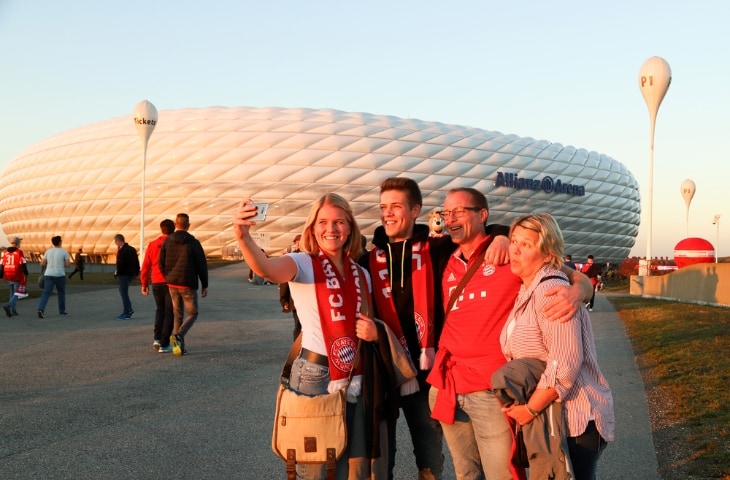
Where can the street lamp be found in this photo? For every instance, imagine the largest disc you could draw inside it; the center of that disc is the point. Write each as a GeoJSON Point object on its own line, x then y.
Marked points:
{"type": "Point", "coordinates": [654, 79]}
{"type": "Point", "coordinates": [145, 119]}
{"type": "Point", "coordinates": [716, 223]}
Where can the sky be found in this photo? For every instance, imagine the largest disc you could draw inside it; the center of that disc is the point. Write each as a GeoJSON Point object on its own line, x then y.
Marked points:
{"type": "Point", "coordinates": [562, 71]}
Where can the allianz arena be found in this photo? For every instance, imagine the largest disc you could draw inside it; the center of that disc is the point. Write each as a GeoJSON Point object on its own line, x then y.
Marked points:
{"type": "Point", "coordinates": [86, 184]}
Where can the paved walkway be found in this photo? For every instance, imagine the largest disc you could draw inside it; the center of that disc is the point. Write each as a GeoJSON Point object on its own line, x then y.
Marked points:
{"type": "Point", "coordinates": [86, 396]}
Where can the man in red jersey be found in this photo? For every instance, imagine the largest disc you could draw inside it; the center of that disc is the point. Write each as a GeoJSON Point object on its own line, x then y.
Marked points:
{"type": "Point", "coordinates": [476, 430]}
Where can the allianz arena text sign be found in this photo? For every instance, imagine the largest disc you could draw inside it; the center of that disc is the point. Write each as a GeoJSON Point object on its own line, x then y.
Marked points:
{"type": "Point", "coordinates": [546, 184]}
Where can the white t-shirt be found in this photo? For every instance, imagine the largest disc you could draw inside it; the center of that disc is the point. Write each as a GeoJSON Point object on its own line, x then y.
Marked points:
{"type": "Point", "coordinates": [305, 299]}
{"type": "Point", "coordinates": [56, 258]}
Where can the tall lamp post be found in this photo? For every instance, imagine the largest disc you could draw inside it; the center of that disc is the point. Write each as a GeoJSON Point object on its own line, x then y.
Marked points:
{"type": "Point", "coordinates": [716, 223]}
{"type": "Point", "coordinates": [654, 79]}
{"type": "Point", "coordinates": [145, 119]}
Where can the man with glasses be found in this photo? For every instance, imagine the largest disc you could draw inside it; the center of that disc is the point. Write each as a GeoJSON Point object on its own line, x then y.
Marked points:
{"type": "Point", "coordinates": [476, 430]}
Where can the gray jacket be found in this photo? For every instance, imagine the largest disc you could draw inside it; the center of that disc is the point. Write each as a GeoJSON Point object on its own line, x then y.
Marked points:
{"type": "Point", "coordinates": [545, 438]}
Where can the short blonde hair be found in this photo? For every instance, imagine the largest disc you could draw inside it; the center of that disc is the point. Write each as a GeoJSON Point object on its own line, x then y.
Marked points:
{"type": "Point", "coordinates": [549, 237]}
{"type": "Point", "coordinates": [353, 245]}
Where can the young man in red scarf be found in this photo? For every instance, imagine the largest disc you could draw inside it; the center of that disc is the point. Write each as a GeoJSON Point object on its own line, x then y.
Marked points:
{"type": "Point", "coordinates": [408, 300]}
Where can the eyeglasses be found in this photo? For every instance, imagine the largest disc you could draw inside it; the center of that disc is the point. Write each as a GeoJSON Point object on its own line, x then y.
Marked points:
{"type": "Point", "coordinates": [458, 212]}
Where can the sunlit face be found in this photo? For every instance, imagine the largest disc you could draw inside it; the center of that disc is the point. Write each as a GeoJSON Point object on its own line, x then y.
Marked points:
{"type": "Point", "coordinates": [397, 216]}
{"type": "Point", "coordinates": [331, 229]}
{"type": "Point", "coordinates": [463, 221]}
{"type": "Point", "coordinates": [524, 255]}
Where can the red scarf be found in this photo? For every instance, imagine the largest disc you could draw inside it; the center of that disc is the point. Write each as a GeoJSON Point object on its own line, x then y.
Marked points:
{"type": "Point", "coordinates": [422, 284]}
{"type": "Point", "coordinates": [339, 300]}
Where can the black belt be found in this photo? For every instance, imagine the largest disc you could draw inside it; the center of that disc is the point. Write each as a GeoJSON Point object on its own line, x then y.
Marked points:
{"type": "Point", "coordinates": [313, 357]}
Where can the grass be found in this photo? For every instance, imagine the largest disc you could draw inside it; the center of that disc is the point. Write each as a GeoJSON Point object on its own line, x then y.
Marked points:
{"type": "Point", "coordinates": [683, 352]}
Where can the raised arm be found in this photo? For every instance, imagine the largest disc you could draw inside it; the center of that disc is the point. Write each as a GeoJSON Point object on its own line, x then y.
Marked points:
{"type": "Point", "coordinates": [568, 300]}
{"type": "Point", "coordinates": [498, 250]}
{"type": "Point", "coordinates": [277, 269]}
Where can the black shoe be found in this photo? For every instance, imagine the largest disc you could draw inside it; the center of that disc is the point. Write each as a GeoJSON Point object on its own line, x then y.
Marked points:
{"type": "Point", "coordinates": [7, 311]}
{"type": "Point", "coordinates": [40, 314]}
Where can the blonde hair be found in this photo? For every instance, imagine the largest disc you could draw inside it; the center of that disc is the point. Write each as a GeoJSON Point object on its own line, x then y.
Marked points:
{"type": "Point", "coordinates": [549, 237]}
{"type": "Point", "coordinates": [353, 245]}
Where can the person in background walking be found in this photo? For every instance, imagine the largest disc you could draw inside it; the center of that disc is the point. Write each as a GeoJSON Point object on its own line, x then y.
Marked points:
{"type": "Point", "coordinates": [593, 272]}
{"type": "Point", "coordinates": [15, 271]}
{"type": "Point", "coordinates": [182, 262]}
{"type": "Point", "coordinates": [287, 303]}
{"type": "Point", "coordinates": [127, 270]}
{"type": "Point", "coordinates": [160, 291]}
{"type": "Point", "coordinates": [79, 262]}
{"type": "Point", "coordinates": [55, 261]}
{"type": "Point", "coordinates": [569, 262]}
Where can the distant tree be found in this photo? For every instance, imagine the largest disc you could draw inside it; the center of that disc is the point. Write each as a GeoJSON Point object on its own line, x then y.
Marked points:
{"type": "Point", "coordinates": [629, 267]}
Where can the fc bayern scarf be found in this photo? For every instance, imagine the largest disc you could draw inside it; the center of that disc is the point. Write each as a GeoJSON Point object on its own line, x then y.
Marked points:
{"type": "Point", "coordinates": [339, 300]}
{"type": "Point", "coordinates": [422, 284]}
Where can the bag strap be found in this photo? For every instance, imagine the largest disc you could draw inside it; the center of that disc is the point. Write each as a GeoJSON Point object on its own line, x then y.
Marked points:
{"type": "Point", "coordinates": [464, 280]}
{"type": "Point", "coordinates": [296, 347]}
{"type": "Point", "coordinates": [552, 277]}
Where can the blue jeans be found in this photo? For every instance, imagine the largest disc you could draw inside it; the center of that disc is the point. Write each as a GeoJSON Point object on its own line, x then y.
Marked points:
{"type": "Point", "coordinates": [48, 284]}
{"type": "Point", "coordinates": [163, 313]}
{"type": "Point", "coordinates": [480, 439]}
{"type": "Point", "coordinates": [12, 299]}
{"type": "Point", "coordinates": [184, 301]}
{"type": "Point", "coordinates": [124, 281]}
{"type": "Point", "coordinates": [426, 433]}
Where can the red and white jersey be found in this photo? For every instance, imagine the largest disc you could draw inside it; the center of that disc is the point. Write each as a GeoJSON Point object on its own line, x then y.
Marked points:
{"type": "Point", "coordinates": [12, 262]}
{"type": "Point", "coordinates": [472, 328]}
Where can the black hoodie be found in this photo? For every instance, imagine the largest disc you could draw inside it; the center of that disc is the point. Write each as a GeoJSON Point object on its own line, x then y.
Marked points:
{"type": "Point", "coordinates": [398, 256]}
{"type": "Point", "coordinates": [182, 261]}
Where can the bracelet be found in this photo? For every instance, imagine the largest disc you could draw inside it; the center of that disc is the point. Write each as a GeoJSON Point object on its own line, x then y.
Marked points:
{"type": "Point", "coordinates": [531, 411]}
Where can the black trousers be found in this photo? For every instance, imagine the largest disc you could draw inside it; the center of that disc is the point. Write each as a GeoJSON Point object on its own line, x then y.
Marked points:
{"type": "Point", "coordinates": [585, 450]}
{"type": "Point", "coordinates": [163, 313]}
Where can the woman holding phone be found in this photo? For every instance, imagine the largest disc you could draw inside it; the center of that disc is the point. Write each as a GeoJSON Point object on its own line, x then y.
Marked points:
{"type": "Point", "coordinates": [324, 281]}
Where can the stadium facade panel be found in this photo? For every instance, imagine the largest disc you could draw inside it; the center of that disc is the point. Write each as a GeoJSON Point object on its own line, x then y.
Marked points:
{"type": "Point", "coordinates": [85, 184]}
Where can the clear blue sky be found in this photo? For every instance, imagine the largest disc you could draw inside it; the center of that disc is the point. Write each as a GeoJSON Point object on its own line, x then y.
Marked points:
{"type": "Point", "coordinates": [563, 71]}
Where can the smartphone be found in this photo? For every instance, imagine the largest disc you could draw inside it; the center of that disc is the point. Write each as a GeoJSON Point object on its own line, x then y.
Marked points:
{"type": "Point", "coordinates": [261, 209]}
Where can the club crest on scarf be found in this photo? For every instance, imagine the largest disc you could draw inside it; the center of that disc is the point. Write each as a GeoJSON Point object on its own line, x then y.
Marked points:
{"type": "Point", "coordinates": [339, 299]}
{"type": "Point", "coordinates": [342, 353]}
{"type": "Point", "coordinates": [421, 326]}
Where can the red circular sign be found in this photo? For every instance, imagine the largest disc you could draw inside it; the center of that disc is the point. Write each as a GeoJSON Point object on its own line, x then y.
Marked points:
{"type": "Point", "coordinates": [693, 250]}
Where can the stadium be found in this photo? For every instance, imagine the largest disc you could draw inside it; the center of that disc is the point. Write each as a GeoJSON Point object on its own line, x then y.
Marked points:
{"type": "Point", "coordinates": [86, 184]}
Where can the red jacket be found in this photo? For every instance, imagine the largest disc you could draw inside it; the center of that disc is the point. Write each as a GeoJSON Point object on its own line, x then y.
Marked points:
{"type": "Point", "coordinates": [151, 264]}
